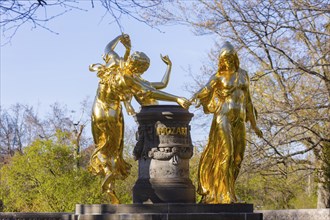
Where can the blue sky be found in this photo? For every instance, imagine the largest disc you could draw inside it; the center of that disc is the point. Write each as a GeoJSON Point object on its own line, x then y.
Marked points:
{"type": "Point", "coordinates": [40, 68]}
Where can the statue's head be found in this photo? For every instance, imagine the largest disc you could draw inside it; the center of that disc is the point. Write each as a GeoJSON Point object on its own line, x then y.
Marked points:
{"type": "Point", "coordinates": [228, 58]}
{"type": "Point", "coordinates": [138, 62]}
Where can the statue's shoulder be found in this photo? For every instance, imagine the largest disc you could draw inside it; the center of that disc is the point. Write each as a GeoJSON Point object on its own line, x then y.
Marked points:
{"type": "Point", "coordinates": [115, 64]}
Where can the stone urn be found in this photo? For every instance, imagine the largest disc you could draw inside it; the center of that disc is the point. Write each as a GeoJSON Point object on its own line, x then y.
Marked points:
{"type": "Point", "coordinates": [163, 151]}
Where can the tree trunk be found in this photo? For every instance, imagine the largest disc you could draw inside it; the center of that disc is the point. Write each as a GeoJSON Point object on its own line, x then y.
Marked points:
{"type": "Point", "coordinates": [323, 191]}
{"type": "Point", "coordinates": [327, 84]}
{"type": "Point", "coordinates": [323, 196]}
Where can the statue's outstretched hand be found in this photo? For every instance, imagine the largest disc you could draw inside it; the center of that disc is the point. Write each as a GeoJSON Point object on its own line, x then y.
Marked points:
{"type": "Point", "coordinates": [185, 103]}
{"type": "Point", "coordinates": [195, 101]}
{"type": "Point", "coordinates": [166, 59]}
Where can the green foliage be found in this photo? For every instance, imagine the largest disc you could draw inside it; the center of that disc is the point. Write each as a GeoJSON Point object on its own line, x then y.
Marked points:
{"type": "Point", "coordinates": [45, 178]}
{"type": "Point", "coordinates": [124, 187]}
{"type": "Point", "coordinates": [281, 191]}
{"type": "Point", "coordinates": [193, 170]}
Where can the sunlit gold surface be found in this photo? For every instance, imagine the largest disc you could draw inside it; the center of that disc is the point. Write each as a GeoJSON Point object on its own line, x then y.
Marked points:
{"type": "Point", "coordinates": [227, 97]}
{"type": "Point", "coordinates": [120, 80]}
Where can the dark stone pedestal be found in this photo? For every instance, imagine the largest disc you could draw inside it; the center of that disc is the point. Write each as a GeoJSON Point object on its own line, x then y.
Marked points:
{"type": "Point", "coordinates": [163, 149]}
{"type": "Point", "coordinates": [166, 212]}
{"type": "Point", "coordinates": [162, 188]}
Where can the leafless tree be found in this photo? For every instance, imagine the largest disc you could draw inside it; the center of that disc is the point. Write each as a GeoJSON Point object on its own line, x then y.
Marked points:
{"type": "Point", "coordinates": [20, 125]}
{"type": "Point", "coordinates": [37, 13]}
{"type": "Point", "coordinates": [285, 46]}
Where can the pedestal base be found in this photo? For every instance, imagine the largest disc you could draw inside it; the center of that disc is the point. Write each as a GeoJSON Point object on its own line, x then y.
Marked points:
{"type": "Point", "coordinates": [166, 212]}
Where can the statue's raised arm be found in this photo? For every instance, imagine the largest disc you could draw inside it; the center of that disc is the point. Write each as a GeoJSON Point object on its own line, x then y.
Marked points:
{"type": "Point", "coordinates": [163, 84]}
{"type": "Point", "coordinates": [110, 48]}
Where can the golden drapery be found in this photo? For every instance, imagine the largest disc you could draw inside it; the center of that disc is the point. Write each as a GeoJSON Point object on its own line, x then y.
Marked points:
{"type": "Point", "coordinates": [227, 96]}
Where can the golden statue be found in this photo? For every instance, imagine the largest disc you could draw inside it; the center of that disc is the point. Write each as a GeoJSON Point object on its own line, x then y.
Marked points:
{"type": "Point", "coordinates": [227, 97]}
{"type": "Point", "coordinates": [119, 81]}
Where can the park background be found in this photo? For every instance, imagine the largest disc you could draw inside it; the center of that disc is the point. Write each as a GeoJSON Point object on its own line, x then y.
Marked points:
{"type": "Point", "coordinates": [47, 91]}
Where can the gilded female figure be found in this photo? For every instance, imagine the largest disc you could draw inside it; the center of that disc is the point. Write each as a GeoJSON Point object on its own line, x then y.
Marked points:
{"type": "Point", "coordinates": [119, 81]}
{"type": "Point", "coordinates": [227, 96]}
